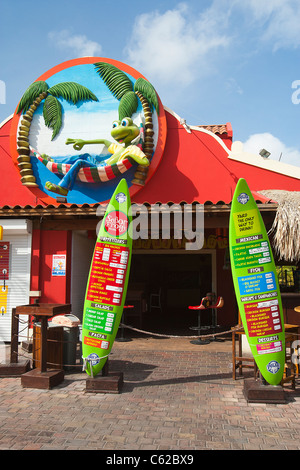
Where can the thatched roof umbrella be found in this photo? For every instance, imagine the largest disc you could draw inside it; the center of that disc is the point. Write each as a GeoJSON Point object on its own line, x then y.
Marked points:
{"type": "Point", "coordinates": [286, 225]}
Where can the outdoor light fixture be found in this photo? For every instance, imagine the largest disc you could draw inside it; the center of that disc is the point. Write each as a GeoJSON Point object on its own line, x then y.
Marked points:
{"type": "Point", "coordinates": [264, 153]}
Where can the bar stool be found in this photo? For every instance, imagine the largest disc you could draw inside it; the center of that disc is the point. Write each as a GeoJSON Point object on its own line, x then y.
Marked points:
{"type": "Point", "coordinates": [204, 305]}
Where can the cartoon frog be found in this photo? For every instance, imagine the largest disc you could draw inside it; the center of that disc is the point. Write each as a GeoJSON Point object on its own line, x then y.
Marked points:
{"type": "Point", "coordinates": [125, 132]}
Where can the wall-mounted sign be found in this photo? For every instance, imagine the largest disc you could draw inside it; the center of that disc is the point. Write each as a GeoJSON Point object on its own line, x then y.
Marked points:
{"type": "Point", "coordinates": [59, 265]}
{"type": "Point", "coordinates": [84, 125]}
{"type": "Point", "coordinates": [210, 242]}
{"type": "Point", "coordinates": [4, 260]}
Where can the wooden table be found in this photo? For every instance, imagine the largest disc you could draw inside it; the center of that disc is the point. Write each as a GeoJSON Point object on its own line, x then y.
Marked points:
{"type": "Point", "coordinates": [239, 361]}
{"type": "Point", "coordinates": [43, 378]}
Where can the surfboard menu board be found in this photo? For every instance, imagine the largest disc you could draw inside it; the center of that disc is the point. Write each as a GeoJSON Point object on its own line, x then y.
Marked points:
{"type": "Point", "coordinates": [256, 284]}
{"type": "Point", "coordinates": [107, 282]}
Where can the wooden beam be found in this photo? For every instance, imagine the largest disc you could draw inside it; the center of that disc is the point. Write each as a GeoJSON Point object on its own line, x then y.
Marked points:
{"type": "Point", "coordinates": [69, 224]}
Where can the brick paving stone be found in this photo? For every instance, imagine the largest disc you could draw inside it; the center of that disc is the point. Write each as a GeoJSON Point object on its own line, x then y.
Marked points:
{"type": "Point", "coordinates": [175, 396]}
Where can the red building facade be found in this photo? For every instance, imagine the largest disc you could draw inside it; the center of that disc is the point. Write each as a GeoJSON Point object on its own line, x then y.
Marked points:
{"type": "Point", "coordinates": [199, 165]}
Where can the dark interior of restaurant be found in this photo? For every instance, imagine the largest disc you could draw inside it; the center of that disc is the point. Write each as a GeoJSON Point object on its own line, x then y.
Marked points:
{"type": "Point", "coordinates": [162, 287]}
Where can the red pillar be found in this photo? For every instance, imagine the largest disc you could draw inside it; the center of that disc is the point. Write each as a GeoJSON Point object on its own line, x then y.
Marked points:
{"type": "Point", "coordinates": [45, 244]}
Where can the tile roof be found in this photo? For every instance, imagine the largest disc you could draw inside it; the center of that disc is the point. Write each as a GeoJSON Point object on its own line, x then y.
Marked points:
{"type": "Point", "coordinates": [89, 210]}
{"type": "Point", "coordinates": [218, 128]}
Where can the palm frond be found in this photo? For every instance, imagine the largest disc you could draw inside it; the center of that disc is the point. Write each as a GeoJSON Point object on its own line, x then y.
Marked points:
{"type": "Point", "coordinates": [52, 112]}
{"type": "Point", "coordinates": [148, 91]}
{"type": "Point", "coordinates": [72, 91]}
{"type": "Point", "coordinates": [286, 225]}
{"type": "Point", "coordinates": [32, 92]}
{"type": "Point", "coordinates": [116, 80]}
{"type": "Point", "coordinates": [128, 105]}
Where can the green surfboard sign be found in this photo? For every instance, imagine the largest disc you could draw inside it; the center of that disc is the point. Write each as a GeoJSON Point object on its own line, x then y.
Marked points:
{"type": "Point", "coordinates": [256, 284]}
{"type": "Point", "coordinates": [107, 282]}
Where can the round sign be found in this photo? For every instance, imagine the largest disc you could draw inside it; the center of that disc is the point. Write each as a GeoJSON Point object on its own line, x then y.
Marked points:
{"type": "Point", "coordinates": [116, 223]}
{"type": "Point", "coordinates": [70, 136]}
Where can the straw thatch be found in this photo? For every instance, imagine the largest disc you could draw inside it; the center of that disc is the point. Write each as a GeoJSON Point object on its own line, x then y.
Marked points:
{"type": "Point", "coordinates": [286, 225]}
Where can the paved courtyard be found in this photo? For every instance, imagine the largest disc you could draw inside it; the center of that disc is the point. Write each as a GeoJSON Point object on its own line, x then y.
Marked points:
{"type": "Point", "coordinates": [176, 396]}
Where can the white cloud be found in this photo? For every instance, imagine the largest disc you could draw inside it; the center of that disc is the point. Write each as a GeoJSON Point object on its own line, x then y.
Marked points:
{"type": "Point", "coordinates": [86, 126]}
{"type": "Point", "coordinates": [232, 86]}
{"type": "Point", "coordinates": [277, 20]}
{"type": "Point", "coordinates": [78, 44]}
{"type": "Point", "coordinates": [256, 142]}
{"type": "Point", "coordinates": [175, 45]}
{"type": "Point", "coordinates": [186, 43]}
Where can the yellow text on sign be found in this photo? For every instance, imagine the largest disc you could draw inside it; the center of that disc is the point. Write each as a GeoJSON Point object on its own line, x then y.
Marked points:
{"type": "Point", "coordinates": [246, 222]}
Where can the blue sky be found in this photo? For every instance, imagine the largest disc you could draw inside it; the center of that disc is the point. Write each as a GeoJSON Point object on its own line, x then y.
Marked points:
{"type": "Point", "coordinates": [210, 61]}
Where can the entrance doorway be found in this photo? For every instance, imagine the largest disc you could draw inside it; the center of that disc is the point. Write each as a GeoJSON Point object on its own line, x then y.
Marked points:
{"type": "Point", "coordinates": [179, 279]}
{"type": "Point", "coordinates": [82, 254]}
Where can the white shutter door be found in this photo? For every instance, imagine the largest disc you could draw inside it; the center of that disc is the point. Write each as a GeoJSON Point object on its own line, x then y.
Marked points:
{"type": "Point", "coordinates": [18, 283]}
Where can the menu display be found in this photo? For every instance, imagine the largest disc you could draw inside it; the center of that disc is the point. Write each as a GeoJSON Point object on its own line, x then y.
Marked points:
{"type": "Point", "coordinates": [249, 253]}
{"type": "Point", "coordinates": [256, 285]}
{"type": "Point", "coordinates": [107, 281]}
{"type": "Point", "coordinates": [252, 258]}
{"type": "Point", "coordinates": [99, 321]}
{"type": "Point", "coordinates": [108, 274]}
{"type": "Point", "coordinates": [263, 318]}
{"type": "Point", "coordinates": [105, 288]}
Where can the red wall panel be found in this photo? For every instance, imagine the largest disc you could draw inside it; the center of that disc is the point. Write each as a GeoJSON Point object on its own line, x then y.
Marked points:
{"type": "Point", "coordinates": [45, 244]}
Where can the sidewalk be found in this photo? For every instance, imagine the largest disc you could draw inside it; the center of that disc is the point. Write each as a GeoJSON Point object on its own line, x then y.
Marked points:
{"type": "Point", "coordinates": [176, 396]}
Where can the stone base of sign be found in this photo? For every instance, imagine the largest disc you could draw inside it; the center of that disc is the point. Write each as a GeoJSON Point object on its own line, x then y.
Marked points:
{"type": "Point", "coordinates": [111, 383]}
{"type": "Point", "coordinates": [257, 392]}
{"type": "Point", "coordinates": [14, 369]}
{"type": "Point", "coordinates": [42, 380]}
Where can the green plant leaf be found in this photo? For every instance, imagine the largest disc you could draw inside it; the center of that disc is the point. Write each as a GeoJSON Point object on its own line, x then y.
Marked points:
{"type": "Point", "coordinates": [72, 91]}
{"type": "Point", "coordinates": [148, 91]}
{"type": "Point", "coordinates": [116, 80]}
{"type": "Point", "coordinates": [32, 92]}
{"type": "Point", "coordinates": [128, 105]}
{"type": "Point", "coordinates": [52, 112]}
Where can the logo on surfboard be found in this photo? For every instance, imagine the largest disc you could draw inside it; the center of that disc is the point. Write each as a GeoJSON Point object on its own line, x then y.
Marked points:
{"type": "Point", "coordinates": [121, 197]}
{"type": "Point", "coordinates": [116, 223]}
{"type": "Point", "coordinates": [273, 367]}
{"type": "Point", "coordinates": [243, 198]}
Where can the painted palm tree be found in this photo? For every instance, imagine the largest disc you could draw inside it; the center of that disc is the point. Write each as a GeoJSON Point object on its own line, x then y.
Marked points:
{"type": "Point", "coordinates": [52, 113]}
{"type": "Point", "coordinates": [128, 94]}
